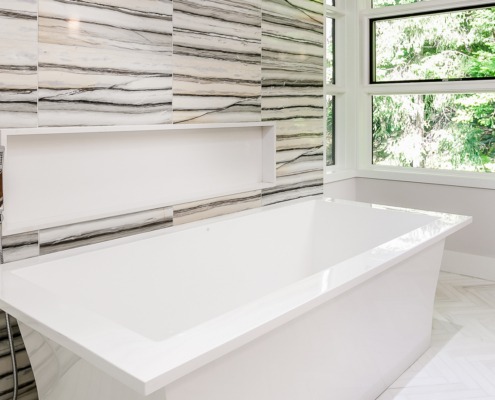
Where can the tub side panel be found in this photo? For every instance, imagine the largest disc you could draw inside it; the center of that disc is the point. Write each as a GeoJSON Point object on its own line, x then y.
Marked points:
{"type": "Point", "coordinates": [350, 348]}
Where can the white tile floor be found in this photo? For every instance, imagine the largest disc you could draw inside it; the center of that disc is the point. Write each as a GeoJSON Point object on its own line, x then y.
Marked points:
{"type": "Point", "coordinates": [460, 364]}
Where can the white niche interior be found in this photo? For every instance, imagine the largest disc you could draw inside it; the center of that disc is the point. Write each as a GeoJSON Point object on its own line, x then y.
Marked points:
{"type": "Point", "coordinates": [57, 176]}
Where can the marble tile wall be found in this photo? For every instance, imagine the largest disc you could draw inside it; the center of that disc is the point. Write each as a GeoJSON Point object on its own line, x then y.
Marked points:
{"type": "Point", "coordinates": [105, 62]}
{"type": "Point", "coordinates": [217, 61]}
{"type": "Point", "coordinates": [19, 247]}
{"type": "Point", "coordinates": [113, 62]}
{"type": "Point", "coordinates": [25, 378]}
{"type": "Point", "coordinates": [128, 62]}
{"type": "Point", "coordinates": [18, 63]}
{"type": "Point", "coordinates": [85, 233]}
{"type": "Point", "coordinates": [292, 93]}
{"type": "Point", "coordinates": [195, 211]}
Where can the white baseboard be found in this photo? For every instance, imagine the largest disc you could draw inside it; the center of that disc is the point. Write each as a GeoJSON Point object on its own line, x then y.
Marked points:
{"type": "Point", "coordinates": [469, 264]}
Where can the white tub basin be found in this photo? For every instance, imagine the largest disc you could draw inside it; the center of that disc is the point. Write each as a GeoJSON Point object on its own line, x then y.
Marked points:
{"type": "Point", "coordinates": [171, 314]}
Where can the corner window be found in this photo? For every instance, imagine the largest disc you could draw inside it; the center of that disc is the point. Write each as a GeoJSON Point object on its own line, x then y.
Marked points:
{"type": "Point", "coordinates": [432, 88]}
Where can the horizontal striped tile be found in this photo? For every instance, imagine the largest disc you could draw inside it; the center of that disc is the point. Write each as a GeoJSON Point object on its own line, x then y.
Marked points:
{"type": "Point", "coordinates": [283, 107]}
{"type": "Point", "coordinates": [84, 233]}
{"type": "Point", "coordinates": [292, 95]}
{"type": "Point", "coordinates": [110, 65]}
{"type": "Point", "coordinates": [18, 63]}
{"type": "Point", "coordinates": [299, 160]}
{"type": "Point", "coordinates": [198, 210]}
{"type": "Point", "coordinates": [26, 386]}
{"type": "Point", "coordinates": [19, 247]}
{"type": "Point", "coordinates": [217, 61]}
{"type": "Point", "coordinates": [292, 43]}
{"type": "Point", "coordinates": [292, 191]}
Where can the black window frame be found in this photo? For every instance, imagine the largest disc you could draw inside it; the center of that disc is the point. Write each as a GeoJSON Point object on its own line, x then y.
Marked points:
{"type": "Point", "coordinates": [372, 46]}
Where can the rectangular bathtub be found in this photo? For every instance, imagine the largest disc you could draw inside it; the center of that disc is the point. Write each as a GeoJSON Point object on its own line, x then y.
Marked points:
{"type": "Point", "coordinates": [320, 299]}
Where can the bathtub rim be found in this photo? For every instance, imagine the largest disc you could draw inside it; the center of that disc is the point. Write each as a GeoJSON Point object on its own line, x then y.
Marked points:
{"type": "Point", "coordinates": [132, 358]}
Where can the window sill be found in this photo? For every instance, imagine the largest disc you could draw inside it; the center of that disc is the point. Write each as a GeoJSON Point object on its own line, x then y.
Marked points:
{"type": "Point", "coordinates": [448, 178]}
{"type": "Point", "coordinates": [437, 177]}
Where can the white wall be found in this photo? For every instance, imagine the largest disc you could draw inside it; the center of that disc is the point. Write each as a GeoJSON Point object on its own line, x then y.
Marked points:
{"type": "Point", "coordinates": [470, 251]}
{"type": "Point", "coordinates": [345, 189]}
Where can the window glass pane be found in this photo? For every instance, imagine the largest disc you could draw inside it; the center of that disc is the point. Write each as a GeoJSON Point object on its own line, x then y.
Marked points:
{"type": "Point", "coordinates": [385, 3]}
{"type": "Point", "coordinates": [439, 131]}
{"type": "Point", "coordinates": [330, 55]}
{"type": "Point", "coordinates": [330, 2]}
{"type": "Point", "coordinates": [443, 46]}
{"type": "Point", "coordinates": [330, 131]}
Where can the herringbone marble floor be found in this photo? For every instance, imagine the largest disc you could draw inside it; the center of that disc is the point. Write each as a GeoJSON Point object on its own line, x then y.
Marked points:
{"type": "Point", "coordinates": [460, 364]}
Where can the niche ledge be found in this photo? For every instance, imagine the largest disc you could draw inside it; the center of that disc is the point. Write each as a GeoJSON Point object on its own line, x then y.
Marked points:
{"type": "Point", "coordinates": [64, 175]}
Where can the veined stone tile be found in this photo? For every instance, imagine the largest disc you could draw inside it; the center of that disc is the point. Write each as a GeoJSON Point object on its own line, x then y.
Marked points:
{"type": "Point", "coordinates": [290, 147]}
{"type": "Point", "coordinates": [292, 191]}
{"type": "Point", "coordinates": [198, 210]}
{"type": "Point", "coordinates": [105, 62]}
{"type": "Point", "coordinates": [292, 106]}
{"type": "Point", "coordinates": [76, 235]}
{"type": "Point", "coordinates": [19, 247]}
{"type": "Point", "coordinates": [292, 43]}
{"type": "Point", "coordinates": [18, 63]}
{"type": "Point", "coordinates": [295, 25]}
{"type": "Point", "coordinates": [217, 61]}
{"type": "Point", "coordinates": [303, 163]}
{"type": "Point", "coordinates": [299, 159]}
{"type": "Point", "coordinates": [26, 384]}
{"type": "Point", "coordinates": [292, 95]}
{"type": "Point", "coordinates": [299, 141]}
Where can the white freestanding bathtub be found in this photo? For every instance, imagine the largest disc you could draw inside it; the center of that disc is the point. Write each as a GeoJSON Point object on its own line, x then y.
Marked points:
{"type": "Point", "coordinates": [315, 300]}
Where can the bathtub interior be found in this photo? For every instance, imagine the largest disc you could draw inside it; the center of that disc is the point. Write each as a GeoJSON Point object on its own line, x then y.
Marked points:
{"type": "Point", "coordinates": [184, 277]}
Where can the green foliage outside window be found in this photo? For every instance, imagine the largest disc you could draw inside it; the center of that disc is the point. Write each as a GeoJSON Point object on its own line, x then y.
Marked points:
{"type": "Point", "coordinates": [439, 131]}
{"type": "Point", "coordinates": [330, 80]}
{"type": "Point", "coordinates": [330, 129]}
{"type": "Point", "coordinates": [443, 131]}
{"type": "Point", "coordinates": [385, 3]}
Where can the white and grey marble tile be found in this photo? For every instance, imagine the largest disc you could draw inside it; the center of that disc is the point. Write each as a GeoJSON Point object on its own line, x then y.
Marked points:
{"type": "Point", "coordinates": [292, 43]}
{"type": "Point", "coordinates": [217, 61]}
{"type": "Point", "coordinates": [292, 191]}
{"type": "Point", "coordinates": [18, 63]}
{"type": "Point", "coordinates": [288, 103]}
{"type": "Point", "coordinates": [105, 62]}
{"type": "Point", "coordinates": [194, 211]}
{"type": "Point", "coordinates": [26, 389]}
{"type": "Point", "coordinates": [90, 232]}
{"type": "Point", "coordinates": [20, 247]}
{"type": "Point", "coordinates": [298, 139]}
{"type": "Point", "coordinates": [292, 95]}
